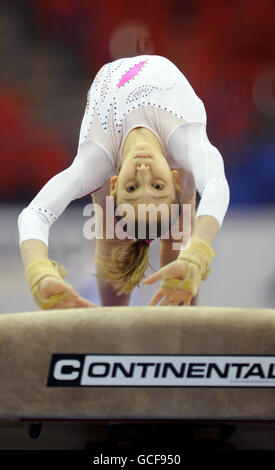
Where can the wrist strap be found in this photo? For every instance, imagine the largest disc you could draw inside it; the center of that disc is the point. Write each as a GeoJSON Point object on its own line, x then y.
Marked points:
{"type": "Point", "coordinates": [200, 253]}
{"type": "Point", "coordinates": [41, 268]}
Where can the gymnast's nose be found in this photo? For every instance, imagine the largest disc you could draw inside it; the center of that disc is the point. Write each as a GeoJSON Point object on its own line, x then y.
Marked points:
{"type": "Point", "coordinates": [143, 173]}
{"type": "Point", "coordinates": [143, 168]}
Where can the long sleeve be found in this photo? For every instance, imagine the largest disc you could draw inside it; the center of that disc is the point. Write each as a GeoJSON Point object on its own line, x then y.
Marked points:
{"type": "Point", "coordinates": [90, 168]}
{"type": "Point", "coordinates": [191, 150]}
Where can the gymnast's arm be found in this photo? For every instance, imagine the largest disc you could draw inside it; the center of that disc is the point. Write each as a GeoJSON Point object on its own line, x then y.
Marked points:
{"type": "Point", "coordinates": [192, 150]}
{"type": "Point", "coordinates": [87, 173]}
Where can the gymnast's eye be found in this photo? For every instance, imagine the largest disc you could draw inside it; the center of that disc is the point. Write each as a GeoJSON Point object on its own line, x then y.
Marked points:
{"type": "Point", "coordinates": [158, 186]}
{"type": "Point", "coordinates": [131, 188]}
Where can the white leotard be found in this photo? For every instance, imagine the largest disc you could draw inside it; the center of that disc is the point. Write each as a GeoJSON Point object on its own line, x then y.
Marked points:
{"type": "Point", "coordinates": [143, 91]}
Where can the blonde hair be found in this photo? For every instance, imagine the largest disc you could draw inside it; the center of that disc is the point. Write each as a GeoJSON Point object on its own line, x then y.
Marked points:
{"type": "Point", "coordinates": [128, 263]}
{"type": "Point", "coordinates": [127, 266]}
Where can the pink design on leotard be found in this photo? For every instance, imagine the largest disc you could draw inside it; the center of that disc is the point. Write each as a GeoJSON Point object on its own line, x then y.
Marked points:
{"type": "Point", "coordinates": [131, 73]}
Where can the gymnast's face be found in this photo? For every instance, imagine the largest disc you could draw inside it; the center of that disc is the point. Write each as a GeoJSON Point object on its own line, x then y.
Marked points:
{"type": "Point", "coordinates": [145, 178]}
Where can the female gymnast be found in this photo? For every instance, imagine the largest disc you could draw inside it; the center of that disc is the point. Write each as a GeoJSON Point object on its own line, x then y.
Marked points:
{"type": "Point", "coordinates": [143, 140]}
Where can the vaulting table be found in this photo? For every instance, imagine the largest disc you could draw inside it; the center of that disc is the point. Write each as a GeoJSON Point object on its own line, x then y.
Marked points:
{"type": "Point", "coordinates": [138, 363]}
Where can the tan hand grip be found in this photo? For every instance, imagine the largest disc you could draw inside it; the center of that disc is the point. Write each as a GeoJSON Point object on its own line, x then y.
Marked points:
{"type": "Point", "coordinates": [197, 255]}
{"type": "Point", "coordinates": [39, 269]}
{"type": "Point", "coordinates": [200, 253]}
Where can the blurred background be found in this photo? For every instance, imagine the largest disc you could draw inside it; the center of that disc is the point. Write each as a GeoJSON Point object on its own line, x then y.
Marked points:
{"type": "Point", "coordinates": [50, 52]}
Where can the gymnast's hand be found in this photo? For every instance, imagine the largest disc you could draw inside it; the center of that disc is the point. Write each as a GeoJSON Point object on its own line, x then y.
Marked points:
{"type": "Point", "coordinates": [50, 287]}
{"type": "Point", "coordinates": [171, 292]}
{"type": "Point", "coordinates": [181, 278]}
{"type": "Point", "coordinates": [49, 290]}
